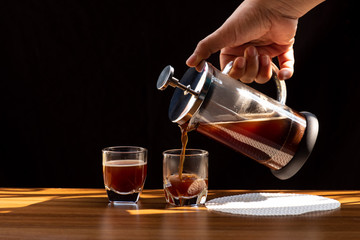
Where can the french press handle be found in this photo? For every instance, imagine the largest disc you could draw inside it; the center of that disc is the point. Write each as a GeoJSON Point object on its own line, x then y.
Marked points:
{"type": "Point", "coordinates": [280, 84]}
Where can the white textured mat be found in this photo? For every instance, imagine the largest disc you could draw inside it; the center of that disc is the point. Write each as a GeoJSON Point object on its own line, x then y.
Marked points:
{"type": "Point", "coordinates": [271, 204]}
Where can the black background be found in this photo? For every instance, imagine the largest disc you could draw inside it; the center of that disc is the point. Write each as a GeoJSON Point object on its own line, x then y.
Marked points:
{"type": "Point", "coordinates": [78, 76]}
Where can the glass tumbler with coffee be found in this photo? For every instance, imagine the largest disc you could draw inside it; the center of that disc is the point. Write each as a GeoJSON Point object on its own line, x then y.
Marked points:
{"type": "Point", "coordinates": [185, 176]}
{"type": "Point", "coordinates": [124, 172]}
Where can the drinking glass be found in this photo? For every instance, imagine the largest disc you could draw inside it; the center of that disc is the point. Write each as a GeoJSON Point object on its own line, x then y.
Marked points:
{"type": "Point", "coordinates": [124, 172]}
{"type": "Point", "coordinates": [185, 184]}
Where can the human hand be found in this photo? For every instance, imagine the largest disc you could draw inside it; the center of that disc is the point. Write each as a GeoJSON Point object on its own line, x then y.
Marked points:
{"type": "Point", "coordinates": [254, 34]}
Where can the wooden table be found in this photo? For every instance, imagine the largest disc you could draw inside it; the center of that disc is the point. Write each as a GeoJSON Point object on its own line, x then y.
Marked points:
{"type": "Point", "coordinates": [85, 214]}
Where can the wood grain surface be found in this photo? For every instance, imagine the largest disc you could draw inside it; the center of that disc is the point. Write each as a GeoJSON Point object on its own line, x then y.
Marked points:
{"type": "Point", "coordinates": [86, 214]}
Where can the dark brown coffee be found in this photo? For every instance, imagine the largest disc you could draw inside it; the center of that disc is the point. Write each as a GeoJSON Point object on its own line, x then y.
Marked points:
{"type": "Point", "coordinates": [184, 140]}
{"type": "Point", "coordinates": [125, 176]}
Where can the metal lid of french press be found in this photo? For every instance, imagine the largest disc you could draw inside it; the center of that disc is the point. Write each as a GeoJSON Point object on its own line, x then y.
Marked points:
{"type": "Point", "coordinates": [189, 94]}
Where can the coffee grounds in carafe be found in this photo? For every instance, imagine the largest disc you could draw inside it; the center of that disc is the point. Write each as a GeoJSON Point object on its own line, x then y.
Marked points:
{"type": "Point", "coordinates": [271, 141]}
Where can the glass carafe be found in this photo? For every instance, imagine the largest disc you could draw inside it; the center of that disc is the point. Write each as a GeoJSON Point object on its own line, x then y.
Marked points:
{"type": "Point", "coordinates": [244, 119]}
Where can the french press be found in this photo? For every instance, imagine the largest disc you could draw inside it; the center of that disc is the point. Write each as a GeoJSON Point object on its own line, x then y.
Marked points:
{"type": "Point", "coordinates": [244, 119]}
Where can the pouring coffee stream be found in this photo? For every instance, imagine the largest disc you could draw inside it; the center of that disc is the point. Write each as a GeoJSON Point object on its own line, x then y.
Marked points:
{"type": "Point", "coordinates": [244, 119]}
{"type": "Point", "coordinates": [184, 141]}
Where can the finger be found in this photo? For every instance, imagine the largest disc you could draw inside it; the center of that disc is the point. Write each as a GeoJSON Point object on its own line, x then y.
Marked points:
{"type": "Point", "coordinates": [228, 54]}
{"type": "Point", "coordinates": [238, 69]}
{"type": "Point", "coordinates": [265, 70]}
{"type": "Point", "coordinates": [225, 59]}
{"type": "Point", "coordinates": [252, 65]}
{"type": "Point", "coordinates": [286, 62]}
{"type": "Point", "coordinates": [285, 73]}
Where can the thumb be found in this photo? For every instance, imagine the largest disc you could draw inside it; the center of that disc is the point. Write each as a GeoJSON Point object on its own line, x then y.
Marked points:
{"type": "Point", "coordinates": [239, 28]}
{"type": "Point", "coordinates": [209, 45]}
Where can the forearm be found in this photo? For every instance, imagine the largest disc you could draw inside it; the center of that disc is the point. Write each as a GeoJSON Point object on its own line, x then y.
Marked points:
{"type": "Point", "coordinates": [288, 8]}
